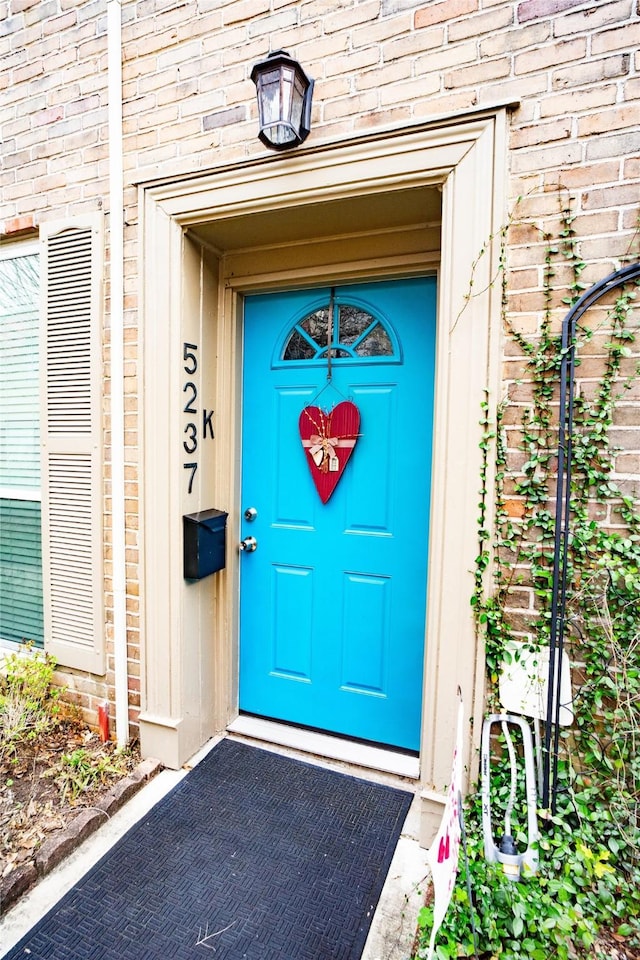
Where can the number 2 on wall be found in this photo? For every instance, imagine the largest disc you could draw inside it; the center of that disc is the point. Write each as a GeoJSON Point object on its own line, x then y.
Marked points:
{"type": "Point", "coordinates": [190, 390]}
{"type": "Point", "coordinates": [191, 443]}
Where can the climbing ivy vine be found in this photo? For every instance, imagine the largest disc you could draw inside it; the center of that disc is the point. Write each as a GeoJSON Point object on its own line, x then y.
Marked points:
{"type": "Point", "coordinates": [593, 845]}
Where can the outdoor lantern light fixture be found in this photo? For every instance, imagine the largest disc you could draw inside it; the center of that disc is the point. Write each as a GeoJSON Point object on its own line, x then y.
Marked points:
{"type": "Point", "coordinates": [284, 94]}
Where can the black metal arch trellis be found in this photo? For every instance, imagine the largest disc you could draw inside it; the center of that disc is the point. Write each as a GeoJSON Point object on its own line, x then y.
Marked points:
{"type": "Point", "coordinates": [562, 522]}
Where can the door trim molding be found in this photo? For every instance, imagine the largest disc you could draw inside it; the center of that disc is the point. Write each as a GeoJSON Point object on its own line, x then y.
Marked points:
{"type": "Point", "coordinates": [467, 160]}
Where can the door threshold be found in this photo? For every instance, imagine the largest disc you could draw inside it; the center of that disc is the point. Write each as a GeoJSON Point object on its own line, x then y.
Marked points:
{"type": "Point", "coordinates": [324, 745]}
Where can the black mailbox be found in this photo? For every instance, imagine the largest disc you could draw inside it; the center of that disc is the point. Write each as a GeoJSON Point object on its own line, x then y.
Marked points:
{"type": "Point", "coordinates": [204, 536]}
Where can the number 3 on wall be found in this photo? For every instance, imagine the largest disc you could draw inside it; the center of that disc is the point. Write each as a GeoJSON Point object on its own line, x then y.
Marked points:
{"type": "Point", "coordinates": [190, 445]}
{"type": "Point", "coordinates": [190, 390]}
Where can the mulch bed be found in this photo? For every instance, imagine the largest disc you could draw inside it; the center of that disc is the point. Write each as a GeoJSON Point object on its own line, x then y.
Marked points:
{"type": "Point", "coordinates": [40, 820]}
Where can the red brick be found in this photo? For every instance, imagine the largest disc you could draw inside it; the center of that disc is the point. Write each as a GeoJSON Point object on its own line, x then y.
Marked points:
{"type": "Point", "coordinates": [478, 74]}
{"type": "Point", "coordinates": [628, 463]}
{"type": "Point", "coordinates": [564, 104]}
{"type": "Point", "coordinates": [471, 41]}
{"type": "Point", "coordinates": [400, 70]}
{"type": "Point", "coordinates": [595, 224]}
{"type": "Point", "coordinates": [384, 29]}
{"type": "Point", "coordinates": [316, 9]}
{"type": "Point", "coordinates": [504, 41]}
{"type": "Point", "coordinates": [30, 70]}
{"type": "Point", "coordinates": [411, 44]}
{"type": "Point", "coordinates": [16, 226]}
{"type": "Point", "coordinates": [350, 17]}
{"type": "Point", "coordinates": [606, 121]}
{"type": "Point", "coordinates": [538, 133]}
{"type": "Point", "coordinates": [598, 148]}
{"type": "Point", "coordinates": [432, 107]}
{"type": "Point", "coordinates": [624, 37]}
{"type": "Point", "coordinates": [570, 51]}
{"type": "Point", "coordinates": [627, 414]}
{"type": "Point", "coordinates": [83, 106]}
{"type": "Point", "coordinates": [451, 55]}
{"type": "Point", "coordinates": [489, 23]}
{"type": "Point", "coordinates": [223, 118]}
{"type": "Point", "coordinates": [525, 279]}
{"type": "Point", "coordinates": [56, 24]}
{"type": "Point", "coordinates": [514, 508]}
{"type": "Point", "coordinates": [591, 72]}
{"type": "Point", "coordinates": [443, 12]}
{"type": "Point", "coordinates": [368, 121]}
{"type": "Point", "coordinates": [354, 61]}
{"type": "Point", "coordinates": [17, 6]}
{"type": "Point", "coordinates": [363, 103]}
{"type": "Point", "coordinates": [592, 17]}
{"type": "Point", "coordinates": [632, 168]}
{"type": "Point", "coordinates": [526, 89]}
{"type": "Point", "coordinates": [533, 9]}
{"type": "Point", "coordinates": [244, 11]}
{"type": "Point", "coordinates": [159, 118]}
{"type": "Point", "coordinates": [587, 175]}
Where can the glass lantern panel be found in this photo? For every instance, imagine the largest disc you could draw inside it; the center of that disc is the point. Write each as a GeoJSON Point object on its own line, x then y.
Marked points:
{"type": "Point", "coordinates": [280, 133]}
{"type": "Point", "coordinates": [288, 78]}
{"type": "Point", "coordinates": [269, 97]}
{"type": "Point", "coordinates": [298, 102]}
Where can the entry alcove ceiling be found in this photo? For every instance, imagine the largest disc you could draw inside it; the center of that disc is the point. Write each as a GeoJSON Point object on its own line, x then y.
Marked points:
{"type": "Point", "coordinates": [400, 227]}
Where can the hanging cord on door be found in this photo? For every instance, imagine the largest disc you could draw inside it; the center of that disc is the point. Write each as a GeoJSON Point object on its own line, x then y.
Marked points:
{"type": "Point", "coordinates": [330, 333]}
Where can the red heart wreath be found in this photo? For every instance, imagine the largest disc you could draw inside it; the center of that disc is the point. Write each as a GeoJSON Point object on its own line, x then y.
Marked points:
{"type": "Point", "coordinates": [328, 440]}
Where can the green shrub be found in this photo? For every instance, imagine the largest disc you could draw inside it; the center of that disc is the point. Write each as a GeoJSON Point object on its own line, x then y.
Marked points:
{"type": "Point", "coordinates": [582, 886]}
{"type": "Point", "coordinates": [28, 699]}
{"type": "Point", "coordinates": [80, 770]}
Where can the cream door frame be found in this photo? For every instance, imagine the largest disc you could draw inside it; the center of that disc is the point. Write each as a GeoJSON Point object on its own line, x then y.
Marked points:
{"type": "Point", "coordinates": [189, 682]}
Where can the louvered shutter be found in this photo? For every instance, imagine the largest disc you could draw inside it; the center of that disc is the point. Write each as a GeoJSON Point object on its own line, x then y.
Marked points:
{"type": "Point", "coordinates": [72, 542]}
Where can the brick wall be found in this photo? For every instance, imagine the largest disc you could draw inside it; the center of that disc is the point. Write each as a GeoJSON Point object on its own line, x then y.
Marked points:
{"type": "Point", "coordinates": [573, 67]}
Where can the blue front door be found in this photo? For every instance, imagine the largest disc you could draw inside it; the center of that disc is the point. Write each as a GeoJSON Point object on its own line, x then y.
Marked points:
{"type": "Point", "coordinates": [332, 614]}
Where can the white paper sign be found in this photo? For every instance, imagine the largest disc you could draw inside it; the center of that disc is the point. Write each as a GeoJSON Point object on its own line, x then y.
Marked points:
{"type": "Point", "coordinates": [443, 852]}
{"type": "Point", "coordinates": [524, 683]}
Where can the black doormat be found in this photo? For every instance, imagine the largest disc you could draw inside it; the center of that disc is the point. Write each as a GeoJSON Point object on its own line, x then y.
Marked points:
{"type": "Point", "coordinates": [253, 856]}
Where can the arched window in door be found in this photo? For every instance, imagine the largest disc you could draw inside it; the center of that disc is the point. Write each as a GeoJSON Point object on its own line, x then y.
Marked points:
{"type": "Point", "coordinates": [357, 335]}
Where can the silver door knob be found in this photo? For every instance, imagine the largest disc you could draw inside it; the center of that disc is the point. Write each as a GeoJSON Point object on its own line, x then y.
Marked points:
{"type": "Point", "coordinates": [249, 544]}
{"type": "Point", "coordinates": [250, 514]}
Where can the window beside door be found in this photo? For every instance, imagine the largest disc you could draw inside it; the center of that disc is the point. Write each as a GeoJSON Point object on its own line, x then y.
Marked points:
{"type": "Point", "coordinates": [21, 599]}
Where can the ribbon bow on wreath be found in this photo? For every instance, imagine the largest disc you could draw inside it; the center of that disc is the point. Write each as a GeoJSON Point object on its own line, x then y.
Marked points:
{"type": "Point", "coordinates": [328, 440]}
{"type": "Point", "coordinates": [322, 449]}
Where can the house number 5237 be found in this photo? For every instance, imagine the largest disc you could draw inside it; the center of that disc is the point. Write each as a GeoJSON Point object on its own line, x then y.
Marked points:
{"type": "Point", "coordinates": [192, 436]}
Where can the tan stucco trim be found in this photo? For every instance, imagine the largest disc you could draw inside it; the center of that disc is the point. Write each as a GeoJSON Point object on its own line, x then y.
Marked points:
{"type": "Point", "coordinates": [468, 161]}
{"type": "Point", "coordinates": [427, 156]}
{"type": "Point", "coordinates": [467, 366]}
